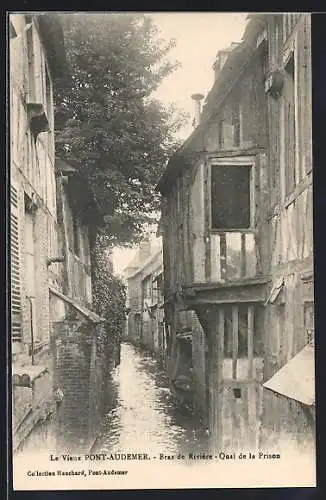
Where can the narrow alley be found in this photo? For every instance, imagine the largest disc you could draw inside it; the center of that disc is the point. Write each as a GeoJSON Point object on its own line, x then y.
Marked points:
{"type": "Point", "coordinates": [141, 413]}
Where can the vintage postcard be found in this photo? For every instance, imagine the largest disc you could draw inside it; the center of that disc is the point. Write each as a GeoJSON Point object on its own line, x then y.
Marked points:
{"type": "Point", "coordinates": [161, 241]}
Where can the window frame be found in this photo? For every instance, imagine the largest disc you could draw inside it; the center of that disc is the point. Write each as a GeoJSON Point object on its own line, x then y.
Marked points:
{"type": "Point", "coordinates": [234, 161]}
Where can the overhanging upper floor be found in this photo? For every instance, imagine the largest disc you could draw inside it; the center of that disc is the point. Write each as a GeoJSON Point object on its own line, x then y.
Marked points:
{"type": "Point", "coordinates": [237, 291]}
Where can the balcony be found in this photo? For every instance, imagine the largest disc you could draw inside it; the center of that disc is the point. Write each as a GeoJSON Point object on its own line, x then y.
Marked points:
{"type": "Point", "coordinates": [232, 272]}
{"type": "Point", "coordinates": [233, 255]}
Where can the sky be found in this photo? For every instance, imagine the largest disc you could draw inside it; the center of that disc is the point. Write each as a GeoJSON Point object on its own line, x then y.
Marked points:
{"type": "Point", "coordinates": [199, 36]}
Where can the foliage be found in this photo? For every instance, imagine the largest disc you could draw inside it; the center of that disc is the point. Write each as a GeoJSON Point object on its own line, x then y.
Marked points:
{"type": "Point", "coordinates": [109, 297]}
{"type": "Point", "coordinates": [109, 125]}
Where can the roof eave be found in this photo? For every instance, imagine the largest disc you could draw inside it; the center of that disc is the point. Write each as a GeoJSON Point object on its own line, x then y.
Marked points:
{"type": "Point", "coordinates": [51, 32]}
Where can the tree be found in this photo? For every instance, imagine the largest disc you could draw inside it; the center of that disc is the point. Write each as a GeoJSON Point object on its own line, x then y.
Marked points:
{"type": "Point", "coordinates": [113, 131]}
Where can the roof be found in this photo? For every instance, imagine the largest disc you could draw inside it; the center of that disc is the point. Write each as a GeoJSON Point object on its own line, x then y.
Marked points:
{"type": "Point", "coordinates": [296, 379]}
{"type": "Point", "coordinates": [155, 253]}
{"type": "Point", "coordinates": [133, 264]}
{"type": "Point", "coordinates": [237, 61]}
{"type": "Point", "coordinates": [136, 265]}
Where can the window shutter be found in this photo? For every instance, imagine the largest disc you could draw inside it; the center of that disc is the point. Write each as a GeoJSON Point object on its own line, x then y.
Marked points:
{"type": "Point", "coordinates": [15, 267]}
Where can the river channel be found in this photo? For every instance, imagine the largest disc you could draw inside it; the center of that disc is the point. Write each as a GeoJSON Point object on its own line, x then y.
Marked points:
{"type": "Point", "coordinates": [141, 415]}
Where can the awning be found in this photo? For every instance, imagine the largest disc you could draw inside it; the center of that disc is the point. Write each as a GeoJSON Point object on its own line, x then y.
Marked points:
{"type": "Point", "coordinates": [61, 166]}
{"type": "Point", "coordinates": [296, 379]}
{"type": "Point", "coordinates": [90, 315]}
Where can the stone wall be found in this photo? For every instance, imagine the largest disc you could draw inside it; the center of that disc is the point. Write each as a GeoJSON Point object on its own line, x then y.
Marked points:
{"type": "Point", "coordinates": [80, 370]}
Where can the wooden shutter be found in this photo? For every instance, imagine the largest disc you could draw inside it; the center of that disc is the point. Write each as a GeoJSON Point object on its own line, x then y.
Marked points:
{"type": "Point", "coordinates": [15, 267]}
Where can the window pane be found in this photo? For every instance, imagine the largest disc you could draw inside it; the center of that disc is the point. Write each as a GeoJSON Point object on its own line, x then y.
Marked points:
{"type": "Point", "coordinates": [230, 197]}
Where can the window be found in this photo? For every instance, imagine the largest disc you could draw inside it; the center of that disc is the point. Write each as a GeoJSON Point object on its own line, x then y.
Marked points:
{"type": "Point", "coordinates": [230, 196]}
{"type": "Point", "coordinates": [147, 288]}
{"type": "Point", "coordinates": [289, 124]}
{"type": "Point", "coordinates": [154, 291]}
{"type": "Point", "coordinates": [160, 287]}
{"type": "Point", "coordinates": [242, 331]}
{"type": "Point", "coordinates": [242, 342]}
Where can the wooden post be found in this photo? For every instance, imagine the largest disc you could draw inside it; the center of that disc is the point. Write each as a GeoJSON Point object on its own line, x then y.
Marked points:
{"type": "Point", "coordinates": [212, 377]}
{"type": "Point", "coordinates": [243, 255]}
{"type": "Point", "coordinates": [210, 383]}
{"type": "Point", "coordinates": [250, 340]}
{"type": "Point", "coordinates": [223, 255]}
{"type": "Point", "coordinates": [235, 340]}
{"type": "Point", "coordinates": [207, 208]}
{"type": "Point", "coordinates": [219, 378]}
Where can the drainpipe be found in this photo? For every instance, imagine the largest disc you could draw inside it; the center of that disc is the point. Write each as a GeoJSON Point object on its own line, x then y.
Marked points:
{"type": "Point", "coordinates": [29, 298]}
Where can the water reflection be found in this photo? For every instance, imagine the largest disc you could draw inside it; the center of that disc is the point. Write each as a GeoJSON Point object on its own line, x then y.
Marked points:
{"type": "Point", "coordinates": [141, 415]}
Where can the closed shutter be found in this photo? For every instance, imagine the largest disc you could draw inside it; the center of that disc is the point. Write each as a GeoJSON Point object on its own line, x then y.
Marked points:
{"type": "Point", "coordinates": [15, 268]}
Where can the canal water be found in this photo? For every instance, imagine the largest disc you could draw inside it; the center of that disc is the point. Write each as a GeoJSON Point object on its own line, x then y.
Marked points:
{"type": "Point", "coordinates": [141, 414]}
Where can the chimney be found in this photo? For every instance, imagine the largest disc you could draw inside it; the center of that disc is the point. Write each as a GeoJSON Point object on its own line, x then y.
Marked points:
{"type": "Point", "coordinates": [144, 250]}
{"type": "Point", "coordinates": [197, 98]}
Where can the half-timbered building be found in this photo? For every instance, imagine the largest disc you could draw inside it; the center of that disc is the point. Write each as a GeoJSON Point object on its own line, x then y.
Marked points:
{"type": "Point", "coordinates": [54, 347]}
{"type": "Point", "coordinates": [288, 398]}
{"type": "Point", "coordinates": [233, 243]}
{"type": "Point", "coordinates": [36, 57]}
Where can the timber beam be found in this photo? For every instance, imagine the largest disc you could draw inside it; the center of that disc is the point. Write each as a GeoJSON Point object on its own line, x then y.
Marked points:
{"type": "Point", "coordinates": [226, 293]}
